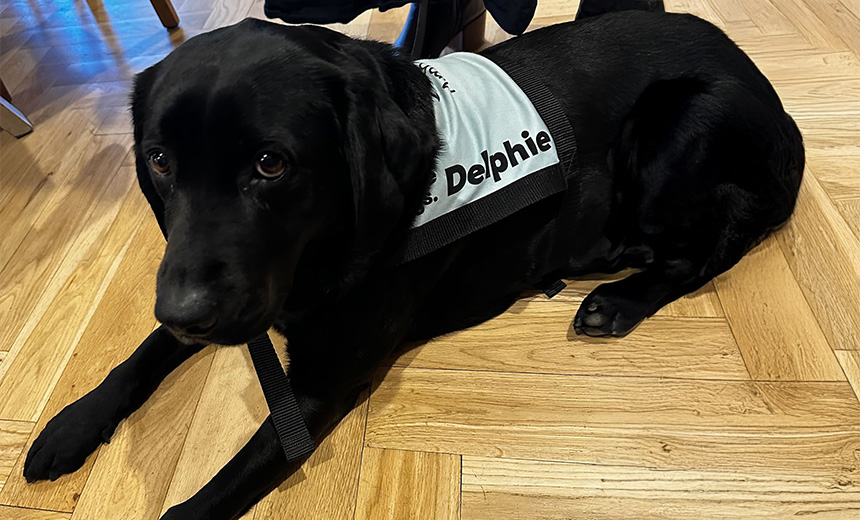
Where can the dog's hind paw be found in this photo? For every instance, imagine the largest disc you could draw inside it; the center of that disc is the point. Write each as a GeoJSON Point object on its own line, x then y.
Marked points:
{"type": "Point", "coordinates": [600, 316]}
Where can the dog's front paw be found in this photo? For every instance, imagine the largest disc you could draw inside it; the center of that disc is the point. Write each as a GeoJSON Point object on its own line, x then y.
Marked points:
{"type": "Point", "coordinates": [68, 439]}
{"type": "Point", "coordinates": [175, 513]}
{"type": "Point", "coordinates": [600, 316]}
{"type": "Point", "coordinates": [188, 511]}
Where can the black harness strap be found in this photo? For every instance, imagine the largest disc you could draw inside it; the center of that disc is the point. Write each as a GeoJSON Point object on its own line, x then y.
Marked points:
{"type": "Point", "coordinates": [562, 132]}
{"type": "Point", "coordinates": [550, 111]}
{"type": "Point", "coordinates": [289, 424]}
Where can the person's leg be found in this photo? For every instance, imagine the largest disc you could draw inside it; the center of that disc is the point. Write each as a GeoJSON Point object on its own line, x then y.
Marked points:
{"type": "Point", "coordinates": [311, 11]}
{"type": "Point", "coordinates": [432, 25]}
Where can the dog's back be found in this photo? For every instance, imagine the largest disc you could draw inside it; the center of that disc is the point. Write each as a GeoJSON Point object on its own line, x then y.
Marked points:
{"type": "Point", "coordinates": [686, 160]}
{"type": "Point", "coordinates": [599, 67]}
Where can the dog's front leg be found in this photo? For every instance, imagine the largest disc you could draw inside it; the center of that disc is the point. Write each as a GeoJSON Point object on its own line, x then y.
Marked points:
{"type": "Point", "coordinates": [260, 466]}
{"type": "Point", "coordinates": [80, 427]}
{"type": "Point", "coordinates": [257, 469]}
{"type": "Point", "coordinates": [326, 381]}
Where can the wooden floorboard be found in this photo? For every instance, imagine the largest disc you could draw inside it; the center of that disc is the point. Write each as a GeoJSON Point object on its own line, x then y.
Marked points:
{"type": "Point", "coordinates": [739, 401]}
{"type": "Point", "coordinates": [850, 361]}
{"type": "Point", "coordinates": [773, 323]}
{"type": "Point", "coordinates": [104, 344]}
{"type": "Point", "coordinates": [133, 472]}
{"type": "Point", "coordinates": [13, 437]}
{"type": "Point", "coordinates": [31, 177]}
{"type": "Point", "coordinates": [496, 488]}
{"type": "Point", "coordinates": [42, 354]}
{"type": "Point", "coordinates": [230, 409]}
{"type": "Point", "coordinates": [839, 175]}
{"type": "Point", "coordinates": [19, 513]}
{"type": "Point", "coordinates": [824, 256]}
{"type": "Point", "coordinates": [537, 337]}
{"type": "Point", "coordinates": [30, 274]}
{"type": "Point", "coordinates": [850, 210]}
{"type": "Point", "coordinates": [646, 422]}
{"type": "Point", "coordinates": [326, 486]}
{"type": "Point", "coordinates": [408, 484]}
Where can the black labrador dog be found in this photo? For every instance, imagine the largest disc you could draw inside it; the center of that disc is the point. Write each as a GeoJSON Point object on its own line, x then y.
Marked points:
{"type": "Point", "coordinates": [285, 165]}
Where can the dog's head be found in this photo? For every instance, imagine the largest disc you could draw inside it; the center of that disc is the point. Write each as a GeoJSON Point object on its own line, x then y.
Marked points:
{"type": "Point", "coordinates": [255, 142]}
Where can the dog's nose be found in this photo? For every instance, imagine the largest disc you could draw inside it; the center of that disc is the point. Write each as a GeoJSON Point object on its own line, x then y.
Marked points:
{"type": "Point", "coordinates": [191, 312]}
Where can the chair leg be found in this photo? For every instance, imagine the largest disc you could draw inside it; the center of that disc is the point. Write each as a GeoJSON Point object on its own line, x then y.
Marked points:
{"type": "Point", "coordinates": [12, 120]}
{"type": "Point", "coordinates": [166, 13]}
{"type": "Point", "coordinates": [4, 92]}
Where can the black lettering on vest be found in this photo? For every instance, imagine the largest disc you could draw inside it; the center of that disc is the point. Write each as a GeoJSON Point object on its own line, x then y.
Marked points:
{"type": "Point", "coordinates": [455, 186]}
{"type": "Point", "coordinates": [476, 174]}
{"type": "Point", "coordinates": [499, 163]}
{"type": "Point", "coordinates": [543, 141]}
{"type": "Point", "coordinates": [529, 142]}
{"type": "Point", "coordinates": [512, 152]}
{"type": "Point", "coordinates": [432, 71]}
{"type": "Point", "coordinates": [494, 164]}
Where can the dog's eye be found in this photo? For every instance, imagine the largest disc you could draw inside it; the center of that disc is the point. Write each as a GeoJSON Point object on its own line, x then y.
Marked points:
{"type": "Point", "coordinates": [159, 162]}
{"type": "Point", "coordinates": [270, 165]}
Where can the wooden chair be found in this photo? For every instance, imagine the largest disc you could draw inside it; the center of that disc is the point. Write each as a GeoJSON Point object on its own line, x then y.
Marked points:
{"type": "Point", "coordinates": [16, 123]}
{"type": "Point", "coordinates": [166, 13]}
{"type": "Point", "coordinates": [11, 119]}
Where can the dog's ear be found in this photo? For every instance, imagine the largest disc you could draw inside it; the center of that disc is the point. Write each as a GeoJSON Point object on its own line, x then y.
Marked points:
{"type": "Point", "coordinates": [139, 102]}
{"type": "Point", "coordinates": [389, 141]}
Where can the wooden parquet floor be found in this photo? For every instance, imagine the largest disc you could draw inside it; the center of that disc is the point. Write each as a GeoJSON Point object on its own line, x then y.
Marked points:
{"type": "Point", "coordinates": [740, 401]}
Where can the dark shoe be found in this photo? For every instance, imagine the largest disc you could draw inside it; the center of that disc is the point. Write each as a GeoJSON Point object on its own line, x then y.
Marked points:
{"type": "Point", "coordinates": [433, 24]}
{"type": "Point", "coordinates": [513, 16]}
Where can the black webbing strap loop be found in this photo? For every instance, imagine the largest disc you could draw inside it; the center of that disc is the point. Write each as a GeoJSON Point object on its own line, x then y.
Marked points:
{"type": "Point", "coordinates": [289, 424]}
{"type": "Point", "coordinates": [551, 290]}
{"type": "Point", "coordinates": [550, 111]}
{"type": "Point", "coordinates": [560, 127]}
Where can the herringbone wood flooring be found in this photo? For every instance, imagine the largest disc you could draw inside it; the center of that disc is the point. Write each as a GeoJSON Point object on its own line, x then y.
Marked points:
{"type": "Point", "coordinates": [737, 402]}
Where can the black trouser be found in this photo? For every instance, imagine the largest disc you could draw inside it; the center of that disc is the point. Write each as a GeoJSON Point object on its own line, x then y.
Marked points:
{"type": "Point", "coordinates": [512, 15]}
